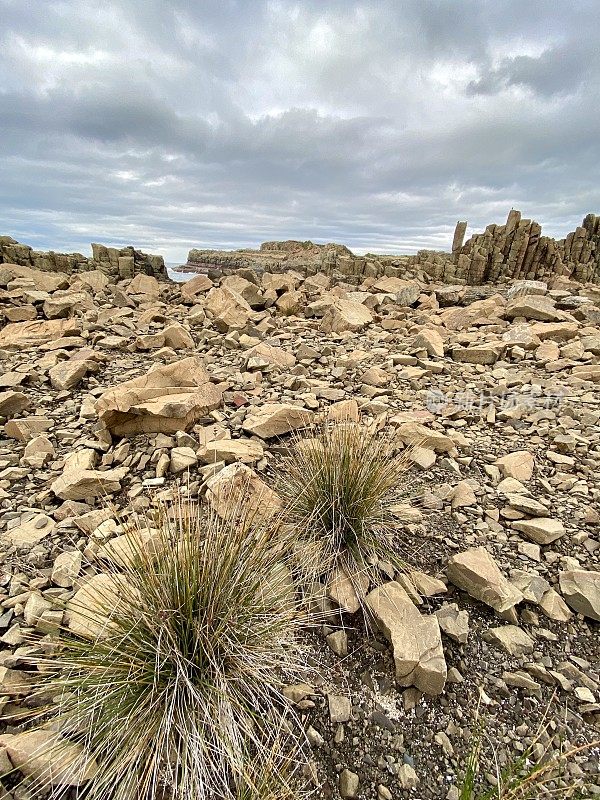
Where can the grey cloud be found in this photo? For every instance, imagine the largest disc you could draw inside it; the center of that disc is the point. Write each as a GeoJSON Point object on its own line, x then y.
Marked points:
{"type": "Point", "coordinates": [178, 124]}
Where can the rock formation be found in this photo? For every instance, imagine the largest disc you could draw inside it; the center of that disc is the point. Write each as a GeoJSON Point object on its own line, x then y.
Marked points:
{"type": "Point", "coordinates": [515, 250]}
{"type": "Point", "coordinates": [112, 261]}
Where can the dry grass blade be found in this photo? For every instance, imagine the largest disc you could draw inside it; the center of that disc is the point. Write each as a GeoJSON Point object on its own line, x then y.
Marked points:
{"type": "Point", "coordinates": [181, 692]}
{"type": "Point", "coordinates": [338, 486]}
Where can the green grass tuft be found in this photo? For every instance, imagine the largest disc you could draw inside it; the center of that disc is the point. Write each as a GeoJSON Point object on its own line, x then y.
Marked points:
{"type": "Point", "coordinates": [181, 696]}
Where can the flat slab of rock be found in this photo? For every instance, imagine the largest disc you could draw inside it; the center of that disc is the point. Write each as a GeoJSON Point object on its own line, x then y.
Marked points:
{"type": "Point", "coordinates": [476, 572]}
{"type": "Point", "coordinates": [88, 611]}
{"type": "Point", "coordinates": [276, 419]}
{"type": "Point", "coordinates": [245, 451]}
{"type": "Point", "coordinates": [581, 590]}
{"type": "Point", "coordinates": [78, 484]}
{"type": "Point", "coordinates": [415, 638]}
{"type": "Point", "coordinates": [345, 315]}
{"type": "Point", "coordinates": [50, 758]}
{"type": "Point", "coordinates": [31, 530]}
{"type": "Point", "coordinates": [518, 465]}
{"type": "Point", "coordinates": [510, 638]}
{"type": "Point", "coordinates": [541, 530]}
{"type": "Point", "coordinates": [165, 400]}
{"type": "Point", "coordinates": [21, 335]}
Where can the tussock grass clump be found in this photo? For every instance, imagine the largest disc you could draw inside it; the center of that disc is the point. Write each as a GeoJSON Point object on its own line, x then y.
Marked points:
{"type": "Point", "coordinates": [338, 486]}
{"type": "Point", "coordinates": [180, 696]}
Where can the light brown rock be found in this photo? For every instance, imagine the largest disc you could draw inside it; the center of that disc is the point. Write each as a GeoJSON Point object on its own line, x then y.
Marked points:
{"type": "Point", "coordinates": [476, 572]}
{"type": "Point", "coordinates": [415, 638]}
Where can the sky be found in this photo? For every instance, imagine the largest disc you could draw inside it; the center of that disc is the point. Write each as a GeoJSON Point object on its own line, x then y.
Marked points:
{"type": "Point", "coordinates": [169, 124]}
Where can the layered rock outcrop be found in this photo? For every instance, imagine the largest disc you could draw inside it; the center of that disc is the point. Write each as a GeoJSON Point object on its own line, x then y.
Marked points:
{"type": "Point", "coordinates": [514, 250]}
{"type": "Point", "coordinates": [114, 262]}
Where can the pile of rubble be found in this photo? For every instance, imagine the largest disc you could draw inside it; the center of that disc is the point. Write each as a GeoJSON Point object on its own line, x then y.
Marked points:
{"type": "Point", "coordinates": [113, 393]}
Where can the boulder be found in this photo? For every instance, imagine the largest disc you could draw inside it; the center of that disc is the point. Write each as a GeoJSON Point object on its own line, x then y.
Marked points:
{"type": "Point", "coordinates": [581, 590]}
{"type": "Point", "coordinates": [238, 489]}
{"type": "Point", "coordinates": [68, 374]}
{"type": "Point", "coordinates": [276, 419]}
{"type": "Point", "coordinates": [415, 638]}
{"type": "Point", "coordinates": [79, 484]}
{"type": "Point", "coordinates": [229, 310]}
{"type": "Point", "coordinates": [518, 465]}
{"type": "Point", "coordinates": [345, 315]}
{"type": "Point", "coordinates": [415, 434]}
{"type": "Point", "coordinates": [88, 612]}
{"type": "Point", "coordinates": [12, 403]}
{"type": "Point", "coordinates": [541, 530]}
{"type": "Point", "coordinates": [245, 451]}
{"type": "Point", "coordinates": [24, 335]}
{"type": "Point", "coordinates": [46, 756]}
{"type": "Point", "coordinates": [167, 399]}
{"type": "Point", "coordinates": [476, 572]}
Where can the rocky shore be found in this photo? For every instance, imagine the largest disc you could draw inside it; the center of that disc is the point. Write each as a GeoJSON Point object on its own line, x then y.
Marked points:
{"type": "Point", "coordinates": [118, 385]}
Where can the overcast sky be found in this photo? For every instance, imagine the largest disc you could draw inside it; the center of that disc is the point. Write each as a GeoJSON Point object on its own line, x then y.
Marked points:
{"type": "Point", "coordinates": [221, 123]}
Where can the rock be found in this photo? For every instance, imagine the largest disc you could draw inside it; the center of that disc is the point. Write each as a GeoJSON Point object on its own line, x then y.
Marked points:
{"type": "Point", "coordinates": [229, 310]}
{"type": "Point", "coordinates": [581, 590]}
{"type": "Point", "coordinates": [347, 594]}
{"type": "Point", "coordinates": [345, 315]}
{"type": "Point", "coordinates": [88, 611]}
{"type": "Point", "coordinates": [478, 354]}
{"type": "Point", "coordinates": [415, 638]}
{"type": "Point", "coordinates": [348, 784]}
{"type": "Point", "coordinates": [429, 340]}
{"type": "Point", "coordinates": [182, 458]}
{"type": "Point", "coordinates": [68, 374]}
{"type": "Point", "coordinates": [518, 465]}
{"type": "Point", "coordinates": [454, 622]}
{"type": "Point", "coordinates": [340, 708]}
{"type": "Point", "coordinates": [66, 568]}
{"type": "Point", "coordinates": [32, 528]}
{"type": "Point", "coordinates": [239, 487]}
{"type": "Point", "coordinates": [413, 433]}
{"type": "Point", "coordinates": [27, 427]}
{"type": "Point", "coordinates": [554, 607]}
{"type": "Point", "coordinates": [25, 335]}
{"type": "Point", "coordinates": [167, 399]}
{"type": "Point", "coordinates": [144, 284]}
{"type": "Point", "coordinates": [463, 496]}
{"type": "Point", "coordinates": [541, 530]}
{"type": "Point", "coordinates": [37, 452]}
{"type": "Point", "coordinates": [407, 777]}
{"type": "Point", "coordinates": [534, 307]}
{"type": "Point", "coordinates": [245, 451]}
{"type": "Point", "coordinates": [47, 757]}
{"type": "Point", "coordinates": [276, 419]}
{"type": "Point", "coordinates": [275, 356]}
{"type": "Point", "coordinates": [510, 638]}
{"type": "Point", "coordinates": [476, 572]}
{"type": "Point", "coordinates": [79, 484]}
{"type": "Point", "coordinates": [12, 403]}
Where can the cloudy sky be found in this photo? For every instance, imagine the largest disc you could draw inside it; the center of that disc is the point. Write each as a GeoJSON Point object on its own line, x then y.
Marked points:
{"type": "Point", "coordinates": [221, 123]}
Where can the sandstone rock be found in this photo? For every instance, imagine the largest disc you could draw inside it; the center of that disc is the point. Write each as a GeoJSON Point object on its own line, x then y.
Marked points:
{"type": "Point", "coordinates": [345, 315]}
{"type": "Point", "coordinates": [541, 530]}
{"type": "Point", "coordinates": [554, 607]}
{"type": "Point", "coordinates": [454, 622]}
{"type": "Point", "coordinates": [581, 590]}
{"type": "Point", "coordinates": [478, 354]}
{"type": "Point", "coordinates": [228, 308]}
{"type": "Point", "coordinates": [32, 528]}
{"type": "Point", "coordinates": [66, 568]}
{"type": "Point", "coordinates": [68, 374]}
{"type": "Point", "coordinates": [476, 572]}
{"type": "Point", "coordinates": [416, 641]}
{"type": "Point", "coordinates": [429, 340]}
{"type": "Point", "coordinates": [276, 419]}
{"type": "Point", "coordinates": [192, 288]}
{"type": "Point", "coordinates": [413, 433]}
{"type": "Point", "coordinates": [79, 484]}
{"type": "Point", "coordinates": [518, 465]}
{"type": "Point", "coordinates": [269, 355]}
{"type": "Point", "coordinates": [346, 593]}
{"type": "Point", "coordinates": [23, 335]}
{"type": "Point", "coordinates": [182, 458]}
{"type": "Point", "coordinates": [37, 452]}
{"type": "Point", "coordinates": [510, 638]}
{"type": "Point", "coordinates": [534, 307]}
{"type": "Point", "coordinates": [144, 284]}
{"type": "Point", "coordinates": [348, 784]}
{"type": "Point", "coordinates": [48, 757]}
{"type": "Point", "coordinates": [238, 488]}
{"type": "Point", "coordinates": [167, 399]}
{"type": "Point", "coordinates": [12, 403]}
{"type": "Point", "coordinates": [245, 451]}
{"type": "Point", "coordinates": [88, 612]}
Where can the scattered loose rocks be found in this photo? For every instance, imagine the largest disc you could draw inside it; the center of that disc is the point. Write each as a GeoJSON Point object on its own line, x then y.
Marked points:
{"type": "Point", "coordinates": [119, 390]}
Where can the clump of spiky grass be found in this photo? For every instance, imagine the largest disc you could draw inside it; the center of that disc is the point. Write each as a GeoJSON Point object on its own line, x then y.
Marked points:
{"type": "Point", "coordinates": [529, 776]}
{"type": "Point", "coordinates": [338, 485]}
{"type": "Point", "coordinates": [179, 697]}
